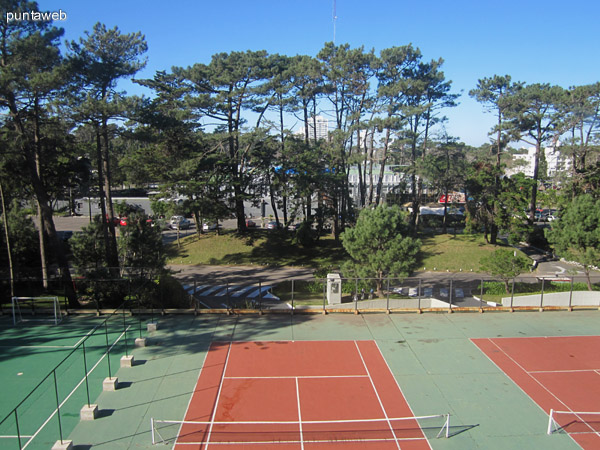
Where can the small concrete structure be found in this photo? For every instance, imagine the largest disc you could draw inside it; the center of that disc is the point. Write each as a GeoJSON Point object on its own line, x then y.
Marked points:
{"type": "Point", "coordinates": [63, 445]}
{"type": "Point", "coordinates": [110, 384]}
{"type": "Point", "coordinates": [334, 289]}
{"type": "Point", "coordinates": [140, 342]}
{"type": "Point", "coordinates": [88, 412]}
{"type": "Point", "coordinates": [151, 326]}
{"type": "Point", "coordinates": [127, 361]}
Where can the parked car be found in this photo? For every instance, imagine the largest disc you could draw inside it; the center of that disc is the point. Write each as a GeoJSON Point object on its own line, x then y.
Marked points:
{"type": "Point", "coordinates": [179, 223]}
{"type": "Point", "coordinates": [273, 226]}
{"type": "Point", "coordinates": [294, 226]}
{"type": "Point", "coordinates": [250, 223]}
{"type": "Point", "coordinates": [210, 226]}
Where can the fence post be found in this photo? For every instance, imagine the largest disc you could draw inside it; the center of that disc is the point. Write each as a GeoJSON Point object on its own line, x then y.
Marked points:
{"type": "Point", "coordinates": [260, 297]}
{"type": "Point", "coordinates": [542, 296]}
{"type": "Point", "coordinates": [87, 387]}
{"type": "Point", "coordinates": [512, 295]}
{"type": "Point", "coordinates": [356, 296]}
{"type": "Point", "coordinates": [57, 407]}
{"type": "Point", "coordinates": [324, 295]}
{"type": "Point", "coordinates": [18, 428]}
{"type": "Point", "coordinates": [387, 306]}
{"type": "Point", "coordinates": [419, 298]}
{"type": "Point", "coordinates": [571, 296]}
{"type": "Point", "coordinates": [450, 298]}
{"type": "Point", "coordinates": [125, 330]}
{"type": "Point", "coordinates": [107, 347]}
{"type": "Point", "coordinates": [292, 296]}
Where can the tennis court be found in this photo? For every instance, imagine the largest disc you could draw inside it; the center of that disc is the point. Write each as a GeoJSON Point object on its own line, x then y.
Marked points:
{"type": "Point", "coordinates": [303, 370]}
{"type": "Point", "coordinates": [561, 374]}
{"type": "Point", "coordinates": [49, 371]}
{"type": "Point", "coordinates": [298, 395]}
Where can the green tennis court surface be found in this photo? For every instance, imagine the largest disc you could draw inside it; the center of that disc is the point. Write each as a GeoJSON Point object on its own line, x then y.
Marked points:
{"type": "Point", "coordinates": [431, 356]}
{"type": "Point", "coordinates": [46, 367]}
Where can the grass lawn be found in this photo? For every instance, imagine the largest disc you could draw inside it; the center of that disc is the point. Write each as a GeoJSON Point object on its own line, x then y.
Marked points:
{"type": "Point", "coordinates": [255, 247]}
{"type": "Point", "coordinates": [439, 252]}
{"type": "Point", "coordinates": [453, 252]}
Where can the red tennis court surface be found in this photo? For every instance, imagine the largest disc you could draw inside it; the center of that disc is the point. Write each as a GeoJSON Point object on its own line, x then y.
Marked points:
{"type": "Point", "coordinates": [306, 384]}
{"type": "Point", "coordinates": [559, 373]}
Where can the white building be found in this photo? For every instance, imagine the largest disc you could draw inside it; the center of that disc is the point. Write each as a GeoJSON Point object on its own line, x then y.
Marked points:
{"type": "Point", "coordinates": [322, 128]}
{"type": "Point", "coordinates": [557, 163]}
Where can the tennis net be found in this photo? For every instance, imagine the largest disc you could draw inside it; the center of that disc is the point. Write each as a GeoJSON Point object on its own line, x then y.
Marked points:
{"type": "Point", "coordinates": [294, 432]}
{"type": "Point", "coordinates": [573, 422]}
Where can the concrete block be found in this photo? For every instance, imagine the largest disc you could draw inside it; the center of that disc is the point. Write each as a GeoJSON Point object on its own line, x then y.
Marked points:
{"type": "Point", "coordinates": [110, 384]}
{"type": "Point", "coordinates": [88, 412]}
{"type": "Point", "coordinates": [151, 326]}
{"type": "Point", "coordinates": [127, 361]}
{"type": "Point", "coordinates": [140, 342]}
{"type": "Point", "coordinates": [64, 445]}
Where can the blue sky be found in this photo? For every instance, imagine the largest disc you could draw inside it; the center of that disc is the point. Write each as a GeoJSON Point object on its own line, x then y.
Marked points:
{"type": "Point", "coordinates": [533, 41]}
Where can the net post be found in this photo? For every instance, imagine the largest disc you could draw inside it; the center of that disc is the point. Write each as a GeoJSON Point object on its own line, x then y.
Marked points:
{"type": "Point", "coordinates": [446, 427]}
{"type": "Point", "coordinates": [152, 429]}
{"type": "Point", "coordinates": [550, 419]}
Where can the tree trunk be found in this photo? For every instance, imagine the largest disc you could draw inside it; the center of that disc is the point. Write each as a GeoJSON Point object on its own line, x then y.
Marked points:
{"type": "Point", "coordinates": [42, 198]}
{"type": "Point", "coordinates": [113, 255]}
{"type": "Point", "coordinates": [11, 267]}
{"type": "Point", "coordinates": [536, 164]}
{"type": "Point", "coordinates": [42, 238]}
{"type": "Point", "coordinates": [42, 241]}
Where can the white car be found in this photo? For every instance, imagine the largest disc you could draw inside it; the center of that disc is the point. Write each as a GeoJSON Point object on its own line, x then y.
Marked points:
{"type": "Point", "coordinates": [210, 226]}
{"type": "Point", "coordinates": [179, 223]}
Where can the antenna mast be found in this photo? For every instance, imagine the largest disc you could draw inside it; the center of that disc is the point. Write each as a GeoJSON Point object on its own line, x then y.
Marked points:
{"type": "Point", "coordinates": [334, 19]}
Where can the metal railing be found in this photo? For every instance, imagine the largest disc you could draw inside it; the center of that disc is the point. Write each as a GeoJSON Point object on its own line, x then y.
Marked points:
{"type": "Point", "coordinates": [40, 415]}
{"type": "Point", "coordinates": [436, 293]}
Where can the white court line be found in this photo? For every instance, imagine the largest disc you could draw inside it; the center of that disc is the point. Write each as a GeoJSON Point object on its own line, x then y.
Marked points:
{"type": "Point", "coordinates": [564, 371]}
{"type": "Point", "coordinates": [88, 334]}
{"type": "Point", "coordinates": [73, 391]}
{"type": "Point", "coordinates": [298, 377]}
{"type": "Point", "coordinates": [377, 394]}
{"type": "Point", "coordinates": [214, 414]}
{"type": "Point", "coordinates": [538, 382]}
{"type": "Point", "coordinates": [299, 416]}
{"type": "Point", "coordinates": [54, 346]}
{"type": "Point", "coordinates": [412, 413]}
{"type": "Point", "coordinates": [316, 441]}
